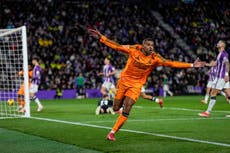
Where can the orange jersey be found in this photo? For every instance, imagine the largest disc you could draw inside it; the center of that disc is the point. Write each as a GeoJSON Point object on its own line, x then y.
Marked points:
{"type": "Point", "coordinates": [21, 91]}
{"type": "Point", "coordinates": [30, 73]}
{"type": "Point", "coordinates": [139, 66]}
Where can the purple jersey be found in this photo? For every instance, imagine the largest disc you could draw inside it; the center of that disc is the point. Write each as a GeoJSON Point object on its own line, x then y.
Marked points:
{"type": "Point", "coordinates": [212, 73]}
{"type": "Point", "coordinates": [220, 66]}
{"type": "Point", "coordinates": [36, 77]}
{"type": "Point", "coordinates": [106, 70]}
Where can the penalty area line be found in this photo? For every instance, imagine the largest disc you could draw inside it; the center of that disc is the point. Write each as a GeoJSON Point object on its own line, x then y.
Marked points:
{"type": "Point", "coordinates": [134, 131]}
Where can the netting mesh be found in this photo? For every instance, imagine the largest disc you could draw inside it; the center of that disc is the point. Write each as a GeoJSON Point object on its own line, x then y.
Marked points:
{"type": "Point", "coordinates": [11, 62]}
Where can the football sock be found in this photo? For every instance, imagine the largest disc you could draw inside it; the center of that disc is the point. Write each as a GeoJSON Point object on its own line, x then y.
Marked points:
{"type": "Point", "coordinates": [211, 104]}
{"type": "Point", "coordinates": [222, 93]}
{"type": "Point", "coordinates": [155, 99]}
{"type": "Point", "coordinates": [34, 98]}
{"type": "Point", "coordinates": [206, 98]}
{"type": "Point", "coordinates": [120, 121]}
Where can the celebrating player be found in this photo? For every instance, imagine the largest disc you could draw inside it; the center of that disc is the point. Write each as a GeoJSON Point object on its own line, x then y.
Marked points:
{"type": "Point", "coordinates": [108, 84]}
{"type": "Point", "coordinates": [141, 61]}
{"type": "Point", "coordinates": [221, 80]}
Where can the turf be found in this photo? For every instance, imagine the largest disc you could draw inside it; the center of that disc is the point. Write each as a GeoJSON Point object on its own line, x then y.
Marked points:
{"type": "Point", "coordinates": [17, 142]}
{"type": "Point", "coordinates": [178, 118]}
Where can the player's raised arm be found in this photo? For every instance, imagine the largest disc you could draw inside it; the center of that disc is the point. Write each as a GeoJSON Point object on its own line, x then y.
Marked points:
{"type": "Point", "coordinates": [112, 44]}
{"type": "Point", "coordinates": [177, 64]}
{"type": "Point", "coordinates": [211, 64]}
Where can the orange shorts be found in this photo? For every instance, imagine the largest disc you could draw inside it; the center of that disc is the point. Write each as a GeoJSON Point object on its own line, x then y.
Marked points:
{"type": "Point", "coordinates": [127, 91]}
{"type": "Point", "coordinates": [21, 91]}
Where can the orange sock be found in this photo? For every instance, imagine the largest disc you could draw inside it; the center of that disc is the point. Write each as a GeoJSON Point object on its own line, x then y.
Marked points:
{"type": "Point", "coordinates": [120, 121]}
{"type": "Point", "coordinates": [23, 103]}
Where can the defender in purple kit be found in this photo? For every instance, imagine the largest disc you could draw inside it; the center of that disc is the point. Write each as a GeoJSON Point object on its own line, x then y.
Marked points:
{"type": "Point", "coordinates": [221, 77]}
{"type": "Point", "coordinates": [108, 80]}
{"type": "Point", "coordinates": [36, 80]}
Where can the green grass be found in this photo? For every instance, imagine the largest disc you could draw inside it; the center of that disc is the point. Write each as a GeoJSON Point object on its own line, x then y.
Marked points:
{"type": "Point", "coordinates": [146, 116]}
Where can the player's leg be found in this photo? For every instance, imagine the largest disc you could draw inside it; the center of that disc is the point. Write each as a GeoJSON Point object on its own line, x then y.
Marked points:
{"type": "Point", "coordinates": [131, 95]}
{"type": "Point", "coordinates": [208, 90]}
{"type": "Point", "coordinates": [205, 100]}
{"type": "Point", "coordinates": [33, 97]}
{"type": "Point", "coordinates": [113, 90]}
{"type": "Point", "coordinates": [170, 92]}
{"type": "Point", "coordinates": [110, 110]}
{"type": "Point", "coordinates": [227, 91]}
{"type": "Point", "coordinates": [97, 112]}
{"type": "Point", "coordinates": [103, 90]}
{"type": "Point", "coordinates": [211, 104]}
{"type": "Point", "coordinates": [152, 98]}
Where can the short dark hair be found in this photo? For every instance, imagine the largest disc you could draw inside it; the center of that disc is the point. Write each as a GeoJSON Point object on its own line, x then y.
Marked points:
{"type": "Point", "coordinates": [35, 58]}
{"type": "Point", "coordinates": [147, 39]}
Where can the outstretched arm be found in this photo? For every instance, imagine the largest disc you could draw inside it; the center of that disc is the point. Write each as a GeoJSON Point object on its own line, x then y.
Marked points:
{"type": "Point", "coordinates": [211, 64]}
{"type": "Point", "coordinates": [110, 43]}
{"type": "Point", "coordinates": [177, 64]}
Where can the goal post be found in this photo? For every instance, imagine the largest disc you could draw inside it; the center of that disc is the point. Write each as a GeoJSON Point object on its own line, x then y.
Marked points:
{"type": "Point", "coordinates": [13, 58]}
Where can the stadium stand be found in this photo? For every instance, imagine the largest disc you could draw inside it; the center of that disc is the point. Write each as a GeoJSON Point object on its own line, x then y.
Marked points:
{"type": "Point", "coordinates": [66, 50]}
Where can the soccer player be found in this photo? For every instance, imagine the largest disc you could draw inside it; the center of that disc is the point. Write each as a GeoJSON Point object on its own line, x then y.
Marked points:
{"type": "Point", "coordinates": [212, 73]}
{"type": "Point", "coordinates": [149, 97]}
{"type": "Point", "coordinates": [36, 79]}
{"type": "Point", "coordinates": [221, 79]}
{"type": "Point", "coordinates": [108, 73]}
{"type": "Point", "coordinates": [141, 61]}
{"type": "Point", "coordinates": [21, 91]}
{"type": "Point", "coordinates": [105, 105]}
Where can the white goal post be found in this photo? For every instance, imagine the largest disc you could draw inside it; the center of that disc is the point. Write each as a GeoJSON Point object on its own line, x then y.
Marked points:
{"type": "Point", "coordinates": [13, 59]}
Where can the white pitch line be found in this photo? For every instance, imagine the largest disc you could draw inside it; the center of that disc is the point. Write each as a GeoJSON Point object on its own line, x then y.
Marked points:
{"type": "Point", "coordinates": [161, 119]}
{"type": "Point", "coordinates": [134, 131]}
{"type": "Point", "coordinates": [192, 110]}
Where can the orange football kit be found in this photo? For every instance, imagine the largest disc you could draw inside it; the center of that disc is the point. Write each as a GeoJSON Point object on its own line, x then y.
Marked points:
{"type": "Point", "coordinates": [21, 91]}
{"type": "Point", "coordinates": [137, 68]}
{"type": "Point", "coordinates": [135, 73]}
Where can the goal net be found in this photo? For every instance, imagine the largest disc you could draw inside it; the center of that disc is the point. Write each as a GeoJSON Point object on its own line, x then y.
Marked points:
{"type": "Point", "coordinates": [13, 59]}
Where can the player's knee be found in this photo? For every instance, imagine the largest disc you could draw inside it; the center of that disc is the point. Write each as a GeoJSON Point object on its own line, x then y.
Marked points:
{"type": "Point", "coordinates": [125, 114]}
{"type": "Point", "coordinates": [116, 108]}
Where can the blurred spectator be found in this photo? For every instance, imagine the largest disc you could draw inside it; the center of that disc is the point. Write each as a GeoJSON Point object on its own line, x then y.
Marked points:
{"type": "Point", "coordinates": [66, 49]}
{"type": "Point", "coordinates": [80, 81]}
{"type": "Point", "coordinates": [59, 92]}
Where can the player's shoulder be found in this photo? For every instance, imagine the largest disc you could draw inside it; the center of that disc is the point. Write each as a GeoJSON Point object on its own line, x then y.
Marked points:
{"type": "Point", "coordinates": [157, 55]}
{"type": "Point", "coordinates": [136, 46]}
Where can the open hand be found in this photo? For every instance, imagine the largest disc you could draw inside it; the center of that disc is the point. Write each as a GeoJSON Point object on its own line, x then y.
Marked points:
{"type": "Point", "coordinates": [199, 63]}
{"type": "Point", "coordinates": [95, 33]}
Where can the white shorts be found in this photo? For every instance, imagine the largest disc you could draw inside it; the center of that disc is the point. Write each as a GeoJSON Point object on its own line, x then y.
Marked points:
{"type": "Point", "coordinates": [142, 89]}
{"type": "Point", "coordinates": [108, 85]}
{"type": "Point", "coordinates": [210, 84]}
{"type": "Point", "coordinates": [165, 87]}
{"type": "Point", "coordinates": [33, 88]}
{"type": "Point", "coordinates": [220, 84]}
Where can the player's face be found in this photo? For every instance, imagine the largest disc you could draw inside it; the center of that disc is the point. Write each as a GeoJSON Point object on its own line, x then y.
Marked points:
{"type": "Point", "coordinates": [148, 47]}
{"type": "Point", "coordinates": [29, 67]}
{"type": "Point", "coordinates": [106, 61]}
{"type": "Point", "coordinates": [220, 44]}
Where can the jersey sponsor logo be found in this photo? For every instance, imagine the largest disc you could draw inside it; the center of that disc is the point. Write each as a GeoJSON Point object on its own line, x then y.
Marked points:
{"type": "Point", "coordinates": [140, 65]}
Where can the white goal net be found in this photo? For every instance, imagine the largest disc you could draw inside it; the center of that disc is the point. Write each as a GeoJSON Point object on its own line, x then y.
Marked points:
{"type": "Point", "coordinates": [13, 73]}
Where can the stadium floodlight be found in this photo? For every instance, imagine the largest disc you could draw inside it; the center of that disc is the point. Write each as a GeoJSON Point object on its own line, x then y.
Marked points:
{"type": "Point", "coordinates": [13, 58]}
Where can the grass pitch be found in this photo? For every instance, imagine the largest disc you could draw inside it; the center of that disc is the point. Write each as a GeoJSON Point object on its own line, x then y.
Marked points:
{"type": "Point", "coordinates": [72, 126]}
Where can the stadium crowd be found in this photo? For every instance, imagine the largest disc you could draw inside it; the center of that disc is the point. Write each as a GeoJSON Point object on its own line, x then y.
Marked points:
{"type": "Point", "coordinates": [55, 34]}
